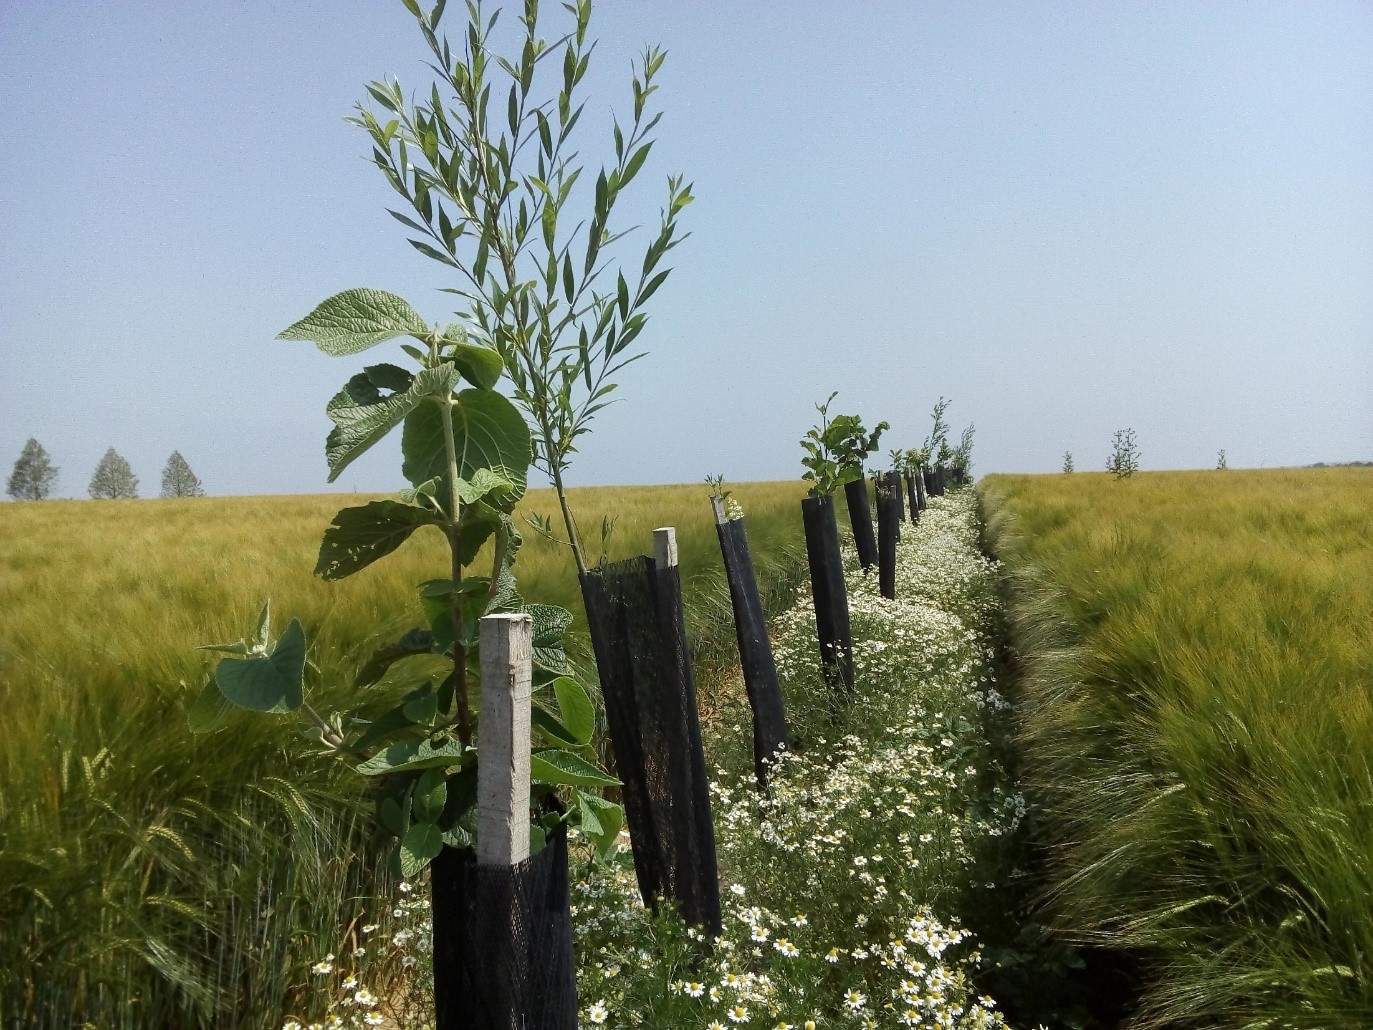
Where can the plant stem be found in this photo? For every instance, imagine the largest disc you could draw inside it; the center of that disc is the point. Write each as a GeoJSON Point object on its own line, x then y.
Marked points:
{"type": "Point", "coordinates": [328, 735]}
{"type": "Point", "coordinates": [459, 651]}
{"type": "Point", "coordinates": [572, 537]}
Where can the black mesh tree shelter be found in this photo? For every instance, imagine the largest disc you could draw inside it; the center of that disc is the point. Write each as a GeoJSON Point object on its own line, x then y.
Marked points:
{"type": "Point", "coordinates": [888, 531]}
{"type": "Point", "coordinates": [941, 479]}
{"type": "Point", "coordinates": [755, 649]}
{"type": "Point", "coordinates": [827, 588]}
{"type": "Point", "coordinates": [860, 518]}
{"type": "Point", "coordinates": [503, 955]}
{"type": "Point", "coordinates": [919, 478]}
{"type": "Point", "coordinates": [634, 613]}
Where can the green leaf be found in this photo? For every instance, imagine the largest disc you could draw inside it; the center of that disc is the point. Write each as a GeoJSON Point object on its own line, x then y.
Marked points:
{"type": "Point", "coordinates": [415, 642]}
{"type": "Point", "coordinates": [600, 822]}
{"type": "Point", "coordinates": [362, 414]}
{"type": "Point", "coordinates": [431, 793]}
{"type": "Point", "coordinates": [578, 715]}
{"type": "Point", "coordinates": [393, 720]}
{"type": "Point", "coordinates": [488, 431]}
{"type": "Point", "coordinates": [563, 767]}
{"type": "Point", "coordinates": [359, 536]}
{"type": "Point", "coordinates": [421, 843]}
{"type": "Point", "coordinates": [550, 622]}
{"type": "Point", "coordinates": [483, 482]}
{"type": "Point", "coordinates": [210, 709]}
{"type": "Point", "coordinates": [422, 710]}
{"type": "Point", "coordinates": [267, 683]}
{"type": "Point", "coordinates": [354, 320]}
{"type": "Point", "coordinates": [480, 366]}
{"type": "Point", "coordinates": [551, 727]}
{"type": "Point", "coordinates": [416, 754]}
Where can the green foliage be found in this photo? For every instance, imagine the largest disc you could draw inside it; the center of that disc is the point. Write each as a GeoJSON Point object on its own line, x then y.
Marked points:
{"type": "Point", "coordinates": [205, 874]}
{"type": "Point", "coordinates": [1124, 460]}
{"type": "Point", "coordinates": [493, 197]}
{"type": "Point", "coordinates": [1195, 708]}
{"type": "Point", "coordinates": [937, 443]}
{"type": "Point", "coordinates": [1221, 463]}
{"type": "Point", "coordinates": [1067, 461]}
{"type": "Point", "coordinates": [178, 480]}
{"type": "Point", "coordinates": [836, 449]}
{"type": "Point", "coordinates": [34, 474]}
{"type": "Point", "coordinates": [961, 460]}
{"type": "Point", "coordinates": [113, 479]}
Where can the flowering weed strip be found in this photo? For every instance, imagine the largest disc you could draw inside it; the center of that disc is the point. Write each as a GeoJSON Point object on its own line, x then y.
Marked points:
{"type": "Point", "coordinates": [1198, 714]}
{"type": "Point", "coordinates": [843, 884]}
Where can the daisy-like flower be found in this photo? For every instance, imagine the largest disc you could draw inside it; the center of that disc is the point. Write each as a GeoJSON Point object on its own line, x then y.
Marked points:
{"type": "Point", "coordinates": [349, 982]}
{"type": "Point", "coordinates": [786, 947]}
{"type": "Point", "coordinates": [365, 998]}
{"type": "Point", "coordinates": [759, 933]}
{"type": "Point", "coordinates": [598, 1013]}
{"type": "Point", "coordinates": [321, 968]}
{"type": "Point", "coordinates": [799, 919]}
{"type": "Point", "coordinates": [832, 955]}
{"type": "Point", "coordinates": [374, 1019]}
{"type": "Point", "coordinates": [853, 1000]}
{"type": "Point", "coordinates": [738, 1014]}
{"type": "Point", "coordinates": [695, 989]}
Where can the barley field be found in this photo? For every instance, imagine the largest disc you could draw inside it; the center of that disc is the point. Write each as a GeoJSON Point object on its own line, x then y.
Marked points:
{"type": "Point", "coordinates": [1196, 700]}
{"type": "Point", "coordinates": [148, 876]}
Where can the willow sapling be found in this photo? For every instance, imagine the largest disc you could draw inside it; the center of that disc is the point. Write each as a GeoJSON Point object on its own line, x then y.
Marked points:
{"type": "Point", "coordinates": [491, 195]}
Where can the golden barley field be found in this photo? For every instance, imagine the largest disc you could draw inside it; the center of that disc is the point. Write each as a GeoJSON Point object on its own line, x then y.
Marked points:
{"type": "Point", "coordinates": [1196, 651]}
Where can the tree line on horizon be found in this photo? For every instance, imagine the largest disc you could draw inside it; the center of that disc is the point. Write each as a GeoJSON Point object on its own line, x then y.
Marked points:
{"type": "Point", "coordinates": [35, 476]}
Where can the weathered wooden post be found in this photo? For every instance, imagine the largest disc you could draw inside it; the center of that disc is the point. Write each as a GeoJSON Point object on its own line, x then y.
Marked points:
{"type": "Point", "coordinates": [503, 772]}
{"type": "Point", "coordinates": [755, 649]}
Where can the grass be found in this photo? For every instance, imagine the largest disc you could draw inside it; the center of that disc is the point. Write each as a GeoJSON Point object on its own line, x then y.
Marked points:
{"type": "Point", "coordinates": [148, 877]}
{"type": "Point", "coordinates": [1196, 693]}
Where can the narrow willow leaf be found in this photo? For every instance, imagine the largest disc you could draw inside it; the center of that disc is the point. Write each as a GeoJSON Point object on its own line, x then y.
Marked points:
{"type": "Point", "coordinates": [354, 320]}
{"type": "Point", "coordinates": [359, 536]}
{"type": "Point", "coordinates": [563, 767]}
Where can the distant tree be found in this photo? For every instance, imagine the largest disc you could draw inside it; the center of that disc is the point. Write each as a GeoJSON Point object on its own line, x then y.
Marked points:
{"type": "Point", "coordinates": [962, 457]}
{"type": "Point", "coordinates": [34, 475]}
{"type": "Point", "coordinates": [1124, 459]}
{"type": "Point", "coordinates": [178, 480]}
{"type": "Point", "coordinates": [1220, 460]}
{"type": "Point", "coordinates": [114, 479]}
{"type": "Point", "coordinates": [1067, 461]}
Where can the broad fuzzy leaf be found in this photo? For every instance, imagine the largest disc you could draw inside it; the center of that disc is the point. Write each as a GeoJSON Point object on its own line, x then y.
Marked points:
{"type": "Point", "coordinates": [550, 622]}
{"type": "Point", "coordinates": [209, 710]}
{"type": "Point", "coordinates": [488, 431]}
{"type": "Point", "coordinates": [563, 767]}
{"type": "Point", "coordinates": [421, 843]}
{"type": "Point", "coordinates": [354, 320]}
{"type": "Point", "coordinates": [359, 536]}
{"type": "Point", "coordinates": [267, 683]}
{"type": "Point", "coordinates": [362, 414]}
{"type": "Point", "coordinates": [414, 754]}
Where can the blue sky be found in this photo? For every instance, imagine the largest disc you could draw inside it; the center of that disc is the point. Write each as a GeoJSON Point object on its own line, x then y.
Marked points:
{"type": "Point", "coordinates": [1070, 218]}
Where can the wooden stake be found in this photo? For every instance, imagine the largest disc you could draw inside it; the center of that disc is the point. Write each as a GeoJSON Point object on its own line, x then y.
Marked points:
{"type": "Point", "coordinates": [503, 771]}
{"type": "Point", "coordinates": [665, 547]}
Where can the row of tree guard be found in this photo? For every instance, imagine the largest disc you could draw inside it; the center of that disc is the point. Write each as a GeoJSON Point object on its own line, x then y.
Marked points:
{"type": "Point", "coordinates": [502, 931]}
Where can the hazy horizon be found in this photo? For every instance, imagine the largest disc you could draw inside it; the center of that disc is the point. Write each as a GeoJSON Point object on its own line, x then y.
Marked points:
{"type": "Point", "coordinates": [1069, 218]}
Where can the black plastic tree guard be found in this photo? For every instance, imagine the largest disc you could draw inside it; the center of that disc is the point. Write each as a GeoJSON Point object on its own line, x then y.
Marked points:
{"type": "Point", "coordinates": [919, 478]}
{"type": "Point", "coordinates": [503, 956]}
{"type": "Point", "coordinates": [827, 589]}
{"type": "Point", "coordinates": [634, 614]}
{"type": "Point", "coordinates": [912, 501]}
{"type": "Point", "coordinates": [888, 528]}
{"type": "Point", "coordinates": [755, 649]}
{"type": "Point", "coordinates": [860, 518]}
